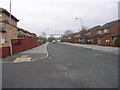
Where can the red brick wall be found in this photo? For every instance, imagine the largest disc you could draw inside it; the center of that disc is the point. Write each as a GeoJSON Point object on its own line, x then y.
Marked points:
{"type": "Point", "coordinates": [18, 46]}
{"type": "Point", "coordinates": [4, 51]}
{"type": "Point", "coordinates": [94, 40]}
{"type": "Point", "coordinates": [104, 38]}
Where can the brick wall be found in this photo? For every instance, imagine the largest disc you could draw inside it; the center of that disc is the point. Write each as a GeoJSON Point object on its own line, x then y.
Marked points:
{"type": "Point", "coordinates": [19, 45]}
{"type": "Point", "coordinates": [4, 51]}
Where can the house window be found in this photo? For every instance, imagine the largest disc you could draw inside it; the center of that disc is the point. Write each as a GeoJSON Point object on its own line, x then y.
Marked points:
{"type": "Point", "coordinates": [108, 41]}
{"type": "Point", "coordinates": [99, 32]}
{"type": "Point", "coordinates": [5, 37]}
{"type": "Point", "coordinates": [2, 41]}
{"type": "Point", "coordinates": [106, 30]}
{"type": "Point", "coordinates": [0, 16]}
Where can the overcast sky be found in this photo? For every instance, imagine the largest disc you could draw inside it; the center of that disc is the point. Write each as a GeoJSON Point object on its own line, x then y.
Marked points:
{"type": "Point", "coordinates": [57, 16]}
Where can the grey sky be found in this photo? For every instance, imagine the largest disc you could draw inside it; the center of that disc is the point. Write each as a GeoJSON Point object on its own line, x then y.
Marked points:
{"type": "Point", "coordinates": [57, 16]}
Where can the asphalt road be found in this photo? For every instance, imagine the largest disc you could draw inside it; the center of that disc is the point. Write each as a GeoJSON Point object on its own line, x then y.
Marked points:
{"type": "Point", "coordinates": [66, 67]}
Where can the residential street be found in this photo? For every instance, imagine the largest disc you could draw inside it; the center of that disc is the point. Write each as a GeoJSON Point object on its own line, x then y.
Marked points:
{"type": "Point", "coordinates": [66, 67]}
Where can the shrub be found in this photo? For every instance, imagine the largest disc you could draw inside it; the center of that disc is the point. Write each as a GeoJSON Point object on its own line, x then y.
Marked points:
{"type": "Point", "coordinates": [117, 42]}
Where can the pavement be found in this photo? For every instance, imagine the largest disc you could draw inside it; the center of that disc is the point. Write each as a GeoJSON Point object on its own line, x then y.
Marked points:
{"type": "Point", "coordinates": [28, 55]}
{"type": "Point", "coordinates": [66, 67]}
{"type": "Point", "coordinates": [113, 50]}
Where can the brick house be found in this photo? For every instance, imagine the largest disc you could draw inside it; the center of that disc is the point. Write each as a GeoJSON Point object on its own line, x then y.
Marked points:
{"type": "Point", "coordinates": [90, 35]}
{"type": "Point", "coordinates": [76, 37]}
{"type": "Point", "coordinates": [93, 36]}
{"type": "Point", "coordinates": [6, 31]}
{"type": "Point", "coordinates": [107, 32]}
{"type": "Point", "coordinates": [82, 36]}
{"type": "Point", "coordinates": [2, 36]}
{"type": "Point", "coordinates": [87, 36]}
{"type": "Point", "coordinates": [5, 27]}
{"type": "Point", "coordinates": [21, 33]}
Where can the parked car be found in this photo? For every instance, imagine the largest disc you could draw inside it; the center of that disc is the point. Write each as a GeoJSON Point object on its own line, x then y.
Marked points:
{"type": "Point", "coordinates": [82, 41]}
{"type": "Point", "coordinates": [53, 41]}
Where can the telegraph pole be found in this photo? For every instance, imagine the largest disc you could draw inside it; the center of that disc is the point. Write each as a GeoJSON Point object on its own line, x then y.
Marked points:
{"type": "Point", "coordinates": [10, 32]}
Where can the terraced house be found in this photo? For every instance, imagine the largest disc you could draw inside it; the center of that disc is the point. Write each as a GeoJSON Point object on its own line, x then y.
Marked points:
{"type": "Point", "coordinates": [21, 33]}
{"type": "Point", "coordinates": [5, 28]}
{"type": "Point", "coordinates": [92, 36]}
{"type": "Point", "coordinates": [108, 33]}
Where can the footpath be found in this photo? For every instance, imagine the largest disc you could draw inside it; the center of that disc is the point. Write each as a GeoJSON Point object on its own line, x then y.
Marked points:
{"type": "Point", "coordinates": [113, 50]}
{"type": "Point", "coordinates": [33, 54]}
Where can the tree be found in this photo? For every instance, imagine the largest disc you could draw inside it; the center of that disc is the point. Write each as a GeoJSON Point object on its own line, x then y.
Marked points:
{"type": "Point", "coordinates": [43, 34]}
{"type": "Point", "coordinates": [117, 42]}
{"type": "Point", "coordinates": [68, 32]}
{"type": "Point", "coordinates": [84, 28]}
{"type": "Point", "coordinates": [51, 38]}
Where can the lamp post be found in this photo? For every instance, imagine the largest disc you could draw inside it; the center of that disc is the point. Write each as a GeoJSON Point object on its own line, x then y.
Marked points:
{"type": "Point", "coordinates": [80, 20]}
{"type": "Point", "coordinates": [81, 24]}
{"type": "Point", "coordinates": [10, 31]}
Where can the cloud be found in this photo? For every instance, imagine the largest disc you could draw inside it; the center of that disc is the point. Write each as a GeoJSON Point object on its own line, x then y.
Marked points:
{"type": "Point", "coordinates": [59, 15]}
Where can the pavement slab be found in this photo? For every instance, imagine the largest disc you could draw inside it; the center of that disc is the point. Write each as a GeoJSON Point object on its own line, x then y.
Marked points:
{"type": "Point", "coordinates": [28, 55]}
{"type": "Point", "coordinates": [113, 50]}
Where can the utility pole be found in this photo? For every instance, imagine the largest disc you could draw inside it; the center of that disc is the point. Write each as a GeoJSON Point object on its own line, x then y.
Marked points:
{"type": "Point", "coordinates": [10, 32]}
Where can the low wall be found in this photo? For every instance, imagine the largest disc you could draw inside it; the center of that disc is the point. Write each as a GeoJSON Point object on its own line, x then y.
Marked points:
{"type": "Point", "coordinates": [19, 45]}
{"type": "Point", "coordinates": [4, 51]}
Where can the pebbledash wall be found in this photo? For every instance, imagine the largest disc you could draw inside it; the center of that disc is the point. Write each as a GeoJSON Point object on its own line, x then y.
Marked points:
{"type": "Point", "coordinates": [19, 45]}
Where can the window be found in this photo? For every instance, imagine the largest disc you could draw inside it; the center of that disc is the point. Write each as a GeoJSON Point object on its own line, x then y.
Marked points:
{"type": "Point", "coordinates": [2, 41]}
{"type": "Point", "coordinates": [99, 32]}
{"type": "Point", "coordinates": [106, 30]}
{"type": "Point", "coordinates": [108, 41]}
{"type": "Point", "coordinates": [5, 37]}
{"type": "Point", "coordinates": [0, 16]}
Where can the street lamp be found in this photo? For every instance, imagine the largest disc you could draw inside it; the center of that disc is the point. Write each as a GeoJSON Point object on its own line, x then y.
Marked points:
{"type": "Point", "coordinates": [10, 31]}
{"type": "Point", "coordinates": [80, 20]}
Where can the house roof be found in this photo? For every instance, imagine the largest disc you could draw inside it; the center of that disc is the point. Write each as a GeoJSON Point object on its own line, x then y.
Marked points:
{"type": "Point", "coordinates": [108, 25]}
{"type": "Point", "coordinates": [95, 27]}
{"type": "Point", "coordinates": [116, 35]}
{"type": "Point", "coordinates": [87, 37]}
{"type": "Point", "coordinates": [6, 12]}
{"type": "Point", "coordinates": [21, 35]}
{"type": "Point", "coordinates": [99, 36]}
{"type": "Point", "coordinates": [95, 36]}
{"type": "Point", "coordinates": [25, 31]}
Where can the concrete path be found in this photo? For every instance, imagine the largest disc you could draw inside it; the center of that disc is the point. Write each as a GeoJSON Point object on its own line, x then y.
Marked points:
{"type": "Point", "coordinates": [113, 50]}
{"type": "Point", "coordinates": [35, 53]}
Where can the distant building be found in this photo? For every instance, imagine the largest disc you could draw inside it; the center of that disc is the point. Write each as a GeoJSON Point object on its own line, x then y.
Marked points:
{"type": "Point", "coordinates": [21, 33]}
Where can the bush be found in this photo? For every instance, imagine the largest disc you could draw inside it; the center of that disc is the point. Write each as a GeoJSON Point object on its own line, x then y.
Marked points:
{"type": "Point", "coordinates": [117, 42]}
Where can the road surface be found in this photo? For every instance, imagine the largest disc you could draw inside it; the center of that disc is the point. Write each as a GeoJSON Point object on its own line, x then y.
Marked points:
{"type": "Point", "coordinates": [66, 67]}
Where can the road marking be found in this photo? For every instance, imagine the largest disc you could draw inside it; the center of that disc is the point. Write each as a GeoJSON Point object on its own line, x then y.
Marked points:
{"type": "Point", "coordinates": [22, 59]}
{"type": "Point", "coordinates": [24, 55]}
